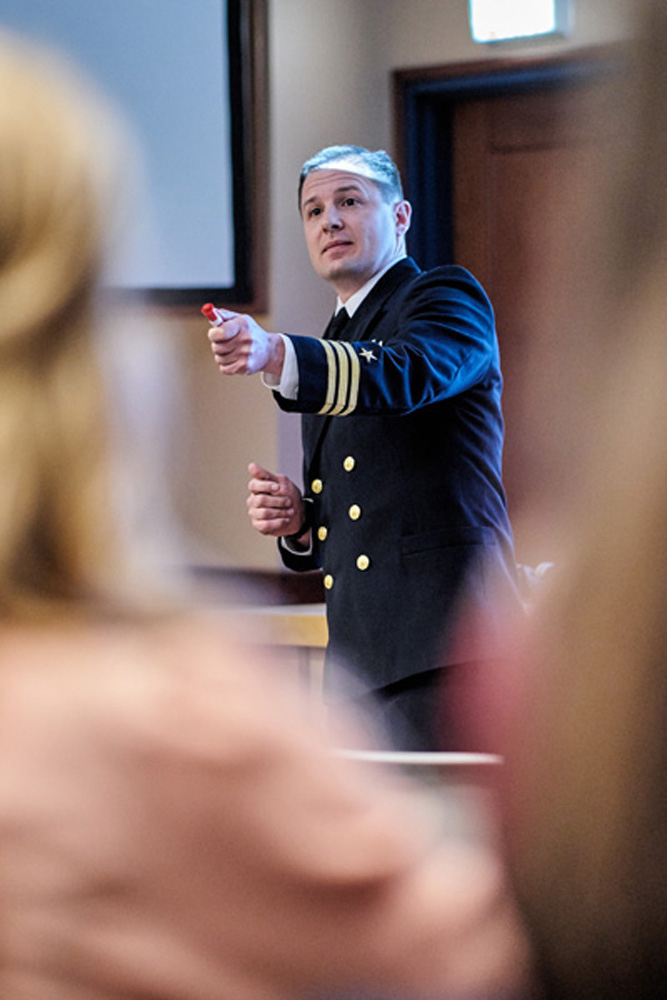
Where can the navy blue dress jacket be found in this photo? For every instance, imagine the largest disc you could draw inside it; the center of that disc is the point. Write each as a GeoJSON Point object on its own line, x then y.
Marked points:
{"type": "Point", "coordinates": [402, 440]}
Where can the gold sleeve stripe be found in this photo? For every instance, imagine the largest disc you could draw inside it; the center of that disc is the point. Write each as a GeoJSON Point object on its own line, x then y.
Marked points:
{"type": "Point", "coordinates": [328, 346]}
{"type": "Point", "coordinates": [354, 371]}
{"type": "Point", "coordinates": [343, 378]}
{"type": "Point", "coordinates": [342, 350]}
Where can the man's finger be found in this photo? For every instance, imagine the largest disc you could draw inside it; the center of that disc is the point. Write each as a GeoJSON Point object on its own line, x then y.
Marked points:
{"type": "Point", "coordinates": [263, 505]}
{"type": "Point", "coordinates": [223, 332]}
{"type": "Point", "coordinates": [269, 513]}
{"type": "Point", "coordinates": [270, 527]}
{"type": "Point", "coordinates": [261, 475]}
{"type": "Point", "coordinates": [263, 486]}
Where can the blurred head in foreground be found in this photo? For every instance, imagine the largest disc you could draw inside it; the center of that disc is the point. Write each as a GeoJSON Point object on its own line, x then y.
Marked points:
{"type": "Point", "coordinates": [61, 150]}
{"type": "Point", "coordinates": [588, 816]}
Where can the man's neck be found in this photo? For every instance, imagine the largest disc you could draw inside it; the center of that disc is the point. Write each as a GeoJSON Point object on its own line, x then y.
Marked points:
{"type": "Point", "coordinates": [354, 299]}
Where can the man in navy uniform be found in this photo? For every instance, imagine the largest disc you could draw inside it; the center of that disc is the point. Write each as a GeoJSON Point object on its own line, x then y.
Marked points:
{"type": "Point", "coordinates": [403, 504]}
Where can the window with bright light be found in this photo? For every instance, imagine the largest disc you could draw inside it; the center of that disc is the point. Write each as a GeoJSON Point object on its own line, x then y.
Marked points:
{"type": "Point", "coordinates": [499, 20]}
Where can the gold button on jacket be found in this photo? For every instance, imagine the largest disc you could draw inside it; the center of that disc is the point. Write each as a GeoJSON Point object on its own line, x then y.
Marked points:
{"type": "Point", "coordinates": [349, 463]}
{"type": "Point", "coordinates": [363, 562]}
{"type": "Point", "coordinates": [316, 485]}
{"type": "Point", "coordinates": [354, 512]}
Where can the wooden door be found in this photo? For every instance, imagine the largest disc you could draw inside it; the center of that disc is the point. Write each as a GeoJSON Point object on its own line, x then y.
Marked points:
{"type": "Point", "coordinates": [515, 158]}
{"type": "Point", "coordinates": [490, 155]}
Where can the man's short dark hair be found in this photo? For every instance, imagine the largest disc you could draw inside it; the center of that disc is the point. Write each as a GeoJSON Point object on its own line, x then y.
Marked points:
{"type": "Point", "coordinates": [376, 165]}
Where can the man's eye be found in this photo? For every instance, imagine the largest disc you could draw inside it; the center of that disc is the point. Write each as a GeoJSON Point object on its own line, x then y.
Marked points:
{"type": "Point", "coordinates": [313, 212]}
{"type": "Point", "coordinates": [351, 201]}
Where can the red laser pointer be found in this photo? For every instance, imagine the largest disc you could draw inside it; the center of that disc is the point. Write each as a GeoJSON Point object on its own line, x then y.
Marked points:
{"type": "Point", "coordinates": [215, 316]}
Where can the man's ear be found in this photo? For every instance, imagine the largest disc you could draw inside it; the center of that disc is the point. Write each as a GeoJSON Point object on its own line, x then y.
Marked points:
{"type": "Point", "coordinates": [403, 216]}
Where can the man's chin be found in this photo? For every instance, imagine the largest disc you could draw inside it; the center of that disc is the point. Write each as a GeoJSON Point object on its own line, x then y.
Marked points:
{"type": "Point", "coordinates": [336, 269]}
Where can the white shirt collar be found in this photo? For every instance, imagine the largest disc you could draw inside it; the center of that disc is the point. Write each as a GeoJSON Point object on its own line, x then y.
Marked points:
{"type": "Point", "coordinates": [358, 297]}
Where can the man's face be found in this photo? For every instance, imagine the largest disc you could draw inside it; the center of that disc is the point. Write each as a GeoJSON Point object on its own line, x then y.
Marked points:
{"type": "Point", "coordinates": [351, 231]}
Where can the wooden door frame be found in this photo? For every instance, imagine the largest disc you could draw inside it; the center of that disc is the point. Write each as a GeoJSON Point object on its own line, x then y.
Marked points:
{"type": "Point", "coordinates": [424, 101]}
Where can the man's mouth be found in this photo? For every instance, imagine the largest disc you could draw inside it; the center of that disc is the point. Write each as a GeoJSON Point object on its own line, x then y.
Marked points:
{"type": "Point", "coordinates": [336, 244]}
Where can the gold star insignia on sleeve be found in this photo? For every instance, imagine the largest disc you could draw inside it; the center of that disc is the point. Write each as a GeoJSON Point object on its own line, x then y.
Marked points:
{"type": "Point", "coordinates": [367, 354]}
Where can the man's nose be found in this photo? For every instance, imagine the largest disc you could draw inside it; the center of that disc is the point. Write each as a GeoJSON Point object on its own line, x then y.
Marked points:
{"type": "Point", "coordinates": [332, 218]}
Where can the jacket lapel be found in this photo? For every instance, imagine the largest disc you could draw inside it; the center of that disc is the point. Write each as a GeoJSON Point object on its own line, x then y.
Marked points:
{"type": "Point", "coordinates": [374, 306]}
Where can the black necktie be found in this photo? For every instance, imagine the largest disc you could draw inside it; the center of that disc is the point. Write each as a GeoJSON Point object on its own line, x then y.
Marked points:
{"type": "Point", "coordinates": [336, 325]}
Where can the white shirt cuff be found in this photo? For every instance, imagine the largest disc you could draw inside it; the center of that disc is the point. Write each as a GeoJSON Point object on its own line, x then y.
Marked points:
{"type": "Point", "coordinates": [298, 550]}
{"type": "Point", "coordinates": [288, 382]}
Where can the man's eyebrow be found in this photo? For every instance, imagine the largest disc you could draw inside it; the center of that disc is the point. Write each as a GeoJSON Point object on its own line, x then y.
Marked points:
{"type": "Point", "coordinates": [348, 187]}
{"type": "Point", "coordinates": [339, 190]}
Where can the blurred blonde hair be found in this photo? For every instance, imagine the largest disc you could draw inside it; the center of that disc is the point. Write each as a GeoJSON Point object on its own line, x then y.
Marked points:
{"type": "Point", "coordinates": [587, 823]}
{"type": "Point", "coordinates": [59, 170]}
